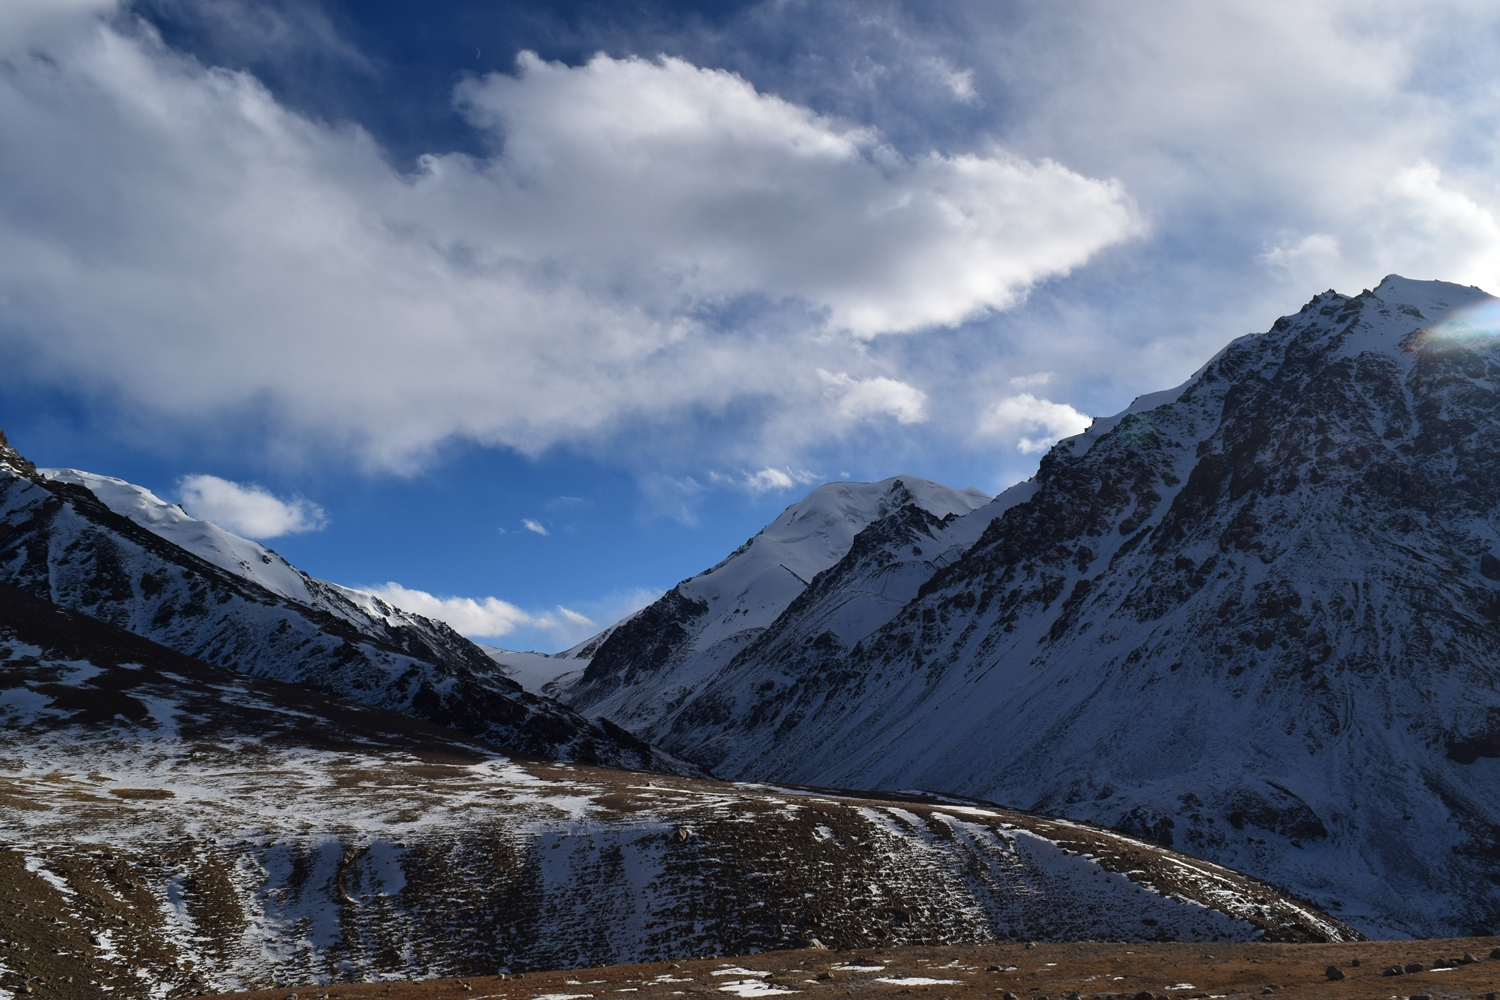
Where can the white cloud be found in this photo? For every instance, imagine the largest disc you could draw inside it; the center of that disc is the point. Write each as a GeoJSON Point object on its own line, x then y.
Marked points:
{"type": "Point", "coordinates": [861, 398]}
{"type": "Point", "coordinates": [574, 618]}
{"type": "Point", "coordinates": [47, 21]}
{"type": "Point", "coordinates": [535, 527]}
{"type": "Point", "coordinates": [1034, 424]}
{"type": "Point", "coordinates": [1300, 145]}
{"type": "Point", "coordinates": [492, 618]}
{"type": "Point", "coordinates": [593, 272]}
{"type": "Point", "coordinates": [571, 626]}
{"type": "Point", "coordinates": [546, 293]}
{"type": "Point", "coordinates": [768, 479]}
{"type": "Point", "coordinates": [488, 616]}
{"type": "Point", "coordinates": [250, 510]}
{"type": "Point", "coordinates": [1032, 381]}
{"type": "Point", "coordinates": [1317, 248]}
{"type": "Point", "coordinates": [1436, 229]}
{"type": "Point", "coordinates": [960, 83]}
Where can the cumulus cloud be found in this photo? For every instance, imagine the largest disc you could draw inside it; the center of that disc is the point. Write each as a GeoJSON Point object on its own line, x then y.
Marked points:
{"type": "Point", "coordinates": [767, 480]}
{"type": "Point", "coordinates": [593, 271]}
{"type": "Point", "coordinates": [1033, 380]}
{"type": "Point", "coordinates": [544, 293]}
{"type": "Point", "coordinates": [535, 527]}
{"type": "Point", "coordinates": [248, 509]}
{"type": "Point", "coordinates": [492, 618]}
{"type": "Point", "coordinates": [1432, 224]}
{"type": "Point", "coordinates": [1295, 254]}
{"type": "Point", "coordinates": [1033, 424]}
{"type": "Point", "coordinates": [1269, 169]}
{"type": "Point", "coordinates": [488, 616]}
{"type": "Point", "coordinates": [960, 83]}
{"type": "Point", "coordinates": [860, 398]}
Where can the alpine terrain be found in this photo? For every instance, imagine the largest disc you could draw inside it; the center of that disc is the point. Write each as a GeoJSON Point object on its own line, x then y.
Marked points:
{"type": "Point", "coordinates": [172, 827]}
{"type": "Point", "coordinates": [118, 553]}
{"type": "Point", "coordinates": [1255, 617]}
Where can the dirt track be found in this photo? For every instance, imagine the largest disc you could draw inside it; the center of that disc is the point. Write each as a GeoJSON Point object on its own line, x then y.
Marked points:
{"type": "Point", "coordinates": [1054, 971]}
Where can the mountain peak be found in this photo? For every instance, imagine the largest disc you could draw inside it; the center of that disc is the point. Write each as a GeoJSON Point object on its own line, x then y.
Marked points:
{"type": "Point", "coordinates": [1253, 616]}
{"type": "Point", "coordinates": [14, 460]}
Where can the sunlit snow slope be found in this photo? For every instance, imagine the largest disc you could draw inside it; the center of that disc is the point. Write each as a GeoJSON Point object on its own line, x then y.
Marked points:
{"type": "Point", "coordinates": [1256, 617]}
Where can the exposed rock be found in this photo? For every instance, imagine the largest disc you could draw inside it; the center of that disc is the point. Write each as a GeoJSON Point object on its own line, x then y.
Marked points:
{"type": "Point", "coordinates": [1249, 614]}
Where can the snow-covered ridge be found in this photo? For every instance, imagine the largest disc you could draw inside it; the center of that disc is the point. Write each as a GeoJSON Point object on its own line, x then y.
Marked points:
{"type": "Point", "coordinates": [703, 622]}
{"type": "Point", "coordinates": [1253, 616]}
{"type": "Point", "coordinates": [204, 539]}
{"type": "Point", "coordinates": [756, 583]}
{"type": "Point", "coordinates": [241, 556]}
{"type": "Point", "coordinates": [536, 672]}
{"type": "Point", "coordinates": [119, 553]}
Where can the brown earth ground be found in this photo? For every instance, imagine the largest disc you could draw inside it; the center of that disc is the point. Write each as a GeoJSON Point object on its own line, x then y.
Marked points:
{"type": "Point", "coordinates": [1168, 971]}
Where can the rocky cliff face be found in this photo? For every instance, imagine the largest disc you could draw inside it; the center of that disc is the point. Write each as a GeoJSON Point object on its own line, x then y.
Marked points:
{"type": "Point", "coordinates": [145, 566]}
{"type": "Point", "coordinates": [1256, 617]}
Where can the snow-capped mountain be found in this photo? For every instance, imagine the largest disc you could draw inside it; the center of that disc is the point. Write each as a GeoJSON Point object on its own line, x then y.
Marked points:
{"type": "Point", "coordinates": [645, 666]}
{"type": "Point", "coordinates": [1256, 617]}
{"type": "Point", "coordinates": [118, 553]}
{"type": "Point", "coordinates": [172, 827]}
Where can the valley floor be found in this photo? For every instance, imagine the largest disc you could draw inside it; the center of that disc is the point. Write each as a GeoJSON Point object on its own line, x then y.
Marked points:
{"type": "Point", "coordinates": [1088, 969]}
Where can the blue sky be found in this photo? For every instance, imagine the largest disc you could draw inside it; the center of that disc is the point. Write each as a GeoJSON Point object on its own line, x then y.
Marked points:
{"type": "Point", "coordinates": [410, 276]}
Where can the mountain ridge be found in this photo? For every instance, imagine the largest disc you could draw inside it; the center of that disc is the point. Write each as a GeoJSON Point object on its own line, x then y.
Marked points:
{"type": "Point", "coordinates": [62, 542]}
{"type": "Point", "coordinates": [175, 827]}
{"type": "Point", "coordinates": [1221, 619]}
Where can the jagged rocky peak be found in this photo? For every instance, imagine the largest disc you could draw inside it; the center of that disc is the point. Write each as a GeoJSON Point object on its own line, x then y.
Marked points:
{"type": "Point", "coordinates": [1256, 616]}
{"type": "Point", "coordinates": [14, 460]}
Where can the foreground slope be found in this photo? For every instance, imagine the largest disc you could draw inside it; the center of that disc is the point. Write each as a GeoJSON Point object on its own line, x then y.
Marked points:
{"type": "Point", "coordinates": [1088, 970]}
{"type": "Point", "coordinates": [171, 826]}
{"type": "Point", "coordinates": [1256, 617]}
{"type": "Point", "coordinates": [116, 552]}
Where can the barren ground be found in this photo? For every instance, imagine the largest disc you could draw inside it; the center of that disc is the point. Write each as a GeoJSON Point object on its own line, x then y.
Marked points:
{"type": "Point", "coordinates": [1086, 969]}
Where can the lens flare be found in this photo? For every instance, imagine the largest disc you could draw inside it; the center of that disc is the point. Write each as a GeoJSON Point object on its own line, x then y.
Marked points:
{"type": "Point", "coordinates": [1467, 326]}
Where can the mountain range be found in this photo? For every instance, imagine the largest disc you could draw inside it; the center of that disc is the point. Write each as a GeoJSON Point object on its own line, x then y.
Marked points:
{"type": "Point", "coordinates": [172, 827]}
{"type": "Point", "coordinates": [118, 553]}
{"type": "Point", "coordinates": [1255, 617]}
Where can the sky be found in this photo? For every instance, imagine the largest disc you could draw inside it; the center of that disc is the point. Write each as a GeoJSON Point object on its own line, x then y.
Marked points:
{"type": "Point", "coordinates": [520, 313]}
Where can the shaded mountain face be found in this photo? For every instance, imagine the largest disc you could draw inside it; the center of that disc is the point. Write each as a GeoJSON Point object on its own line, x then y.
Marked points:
{"type": "Point", "coordinates": [642, 670]}
{"type": "Point", "coordinates": [1256, 617]}
{"type": "Point", "coordinates": [175, 827]}
{"type": "Point", "coordinates": [125, 557]}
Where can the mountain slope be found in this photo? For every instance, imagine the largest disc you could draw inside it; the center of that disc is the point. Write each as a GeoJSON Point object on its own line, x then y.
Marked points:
{"type": "Point", "coordinates": [204, 592]}
{"type": "Point", "coordinates": [1256, 617]}
{"type": "Point", "coordinates": [645, 666]}
{"type": "Point", "coordinates": [172, 826]}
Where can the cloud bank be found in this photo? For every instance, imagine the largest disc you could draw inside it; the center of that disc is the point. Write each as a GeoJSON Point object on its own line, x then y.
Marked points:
{"type": "Point", "coordinates": [172, 235]}
{"type": "Point", "coordinates": [1033, 424]}
{"type": "Point", "coordinates": [249, 510]}
{"type": "Point", "coordinates": [831, 244]}
{"type": "Point", "coordinates": [492, 618]}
